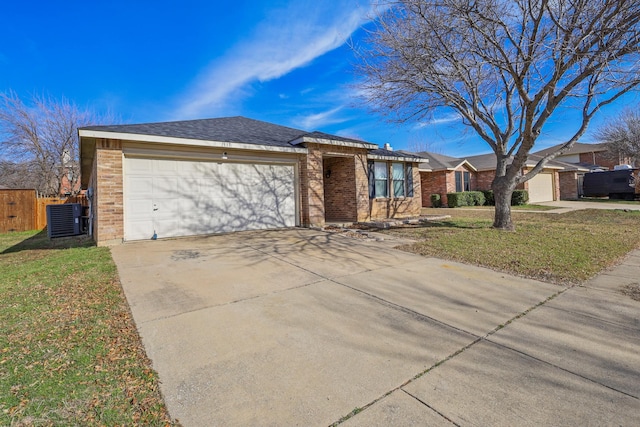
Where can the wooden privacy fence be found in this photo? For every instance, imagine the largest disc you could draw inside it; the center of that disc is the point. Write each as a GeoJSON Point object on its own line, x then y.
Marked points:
{"type": "Point", "coordinates": [22, 210]}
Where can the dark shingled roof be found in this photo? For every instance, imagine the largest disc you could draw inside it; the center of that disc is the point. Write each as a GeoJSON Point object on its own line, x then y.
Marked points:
{"type": "Point", "coordinates": [488, 162]}
{"type": "Point", "coordinates": [578, 147]}
{"type": "Point", "coordinates": [225, 129]}
{"type": "Point", "coordinates": [440, 161]}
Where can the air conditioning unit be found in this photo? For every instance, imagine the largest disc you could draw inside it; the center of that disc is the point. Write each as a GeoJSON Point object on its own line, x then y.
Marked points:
{"type": "Point", "coordinates": [64, 220]}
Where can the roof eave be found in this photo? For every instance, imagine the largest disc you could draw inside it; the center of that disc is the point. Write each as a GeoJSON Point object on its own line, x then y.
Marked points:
{"type": "Point", "coordinates": [187, 141]}
{"type": "Point", "coordinates": [395, 158]}
{"type": "Point", "coordinates": [326, 141]}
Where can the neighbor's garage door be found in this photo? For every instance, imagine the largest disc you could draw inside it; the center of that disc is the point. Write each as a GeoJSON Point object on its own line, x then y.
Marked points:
{"type": "Point", "coordinates": [541, 188]}
{"type": "Point", "coordinates": [169, 198]}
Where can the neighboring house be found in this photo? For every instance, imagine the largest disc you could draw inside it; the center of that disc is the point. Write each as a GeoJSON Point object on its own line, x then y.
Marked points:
{"type": "Point", "coordinates": [229, 174]}
{"type": "Point", "coordinates": [444, 174]}
{"type": "Point", "coordinates": [590, 156]}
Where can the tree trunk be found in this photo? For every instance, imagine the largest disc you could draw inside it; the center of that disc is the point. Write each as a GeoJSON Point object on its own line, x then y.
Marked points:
{"type": "Point", "coordinates": [502, 192]}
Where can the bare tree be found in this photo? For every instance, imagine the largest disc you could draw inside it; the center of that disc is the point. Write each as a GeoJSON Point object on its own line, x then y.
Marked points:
{"type": "Point", "coordinates": [622, 136]}
{"type": "Point", "coordinates": [41, 140]}
{"type": "Point", "coordinates": [19, 175]}
{"type": "Point", "coordinates": [507, 67]}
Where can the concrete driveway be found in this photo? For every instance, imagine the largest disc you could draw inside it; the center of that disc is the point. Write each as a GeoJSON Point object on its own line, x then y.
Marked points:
{"type": "Point", "coordinates": [301, 327]}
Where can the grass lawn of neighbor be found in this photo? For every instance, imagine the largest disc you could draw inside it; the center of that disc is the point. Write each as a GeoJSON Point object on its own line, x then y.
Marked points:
{"type": "Point", "coordinates": [565, 249]}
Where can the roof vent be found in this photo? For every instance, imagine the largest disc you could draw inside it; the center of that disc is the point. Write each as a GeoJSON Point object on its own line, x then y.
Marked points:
{"type": "Point", "coordinates": [64, 220]}
{"type": "Point", "coordinates": [387, 146]}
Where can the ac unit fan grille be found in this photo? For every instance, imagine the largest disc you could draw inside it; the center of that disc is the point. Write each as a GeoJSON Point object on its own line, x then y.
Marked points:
{"type": "Point", "coordinates": [63, 220]}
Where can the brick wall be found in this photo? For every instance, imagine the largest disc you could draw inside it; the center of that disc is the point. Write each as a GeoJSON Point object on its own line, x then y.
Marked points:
{"type": "Point", "coordinates": [602, 158]}
{"type": "Point", "coordinates": [556, 185]}
{"type": "Point", "coordinates": [432, 183]}
{"type": "Point", "coordinates": [443, 182]}
{"type": "Point", "coordinates": [347, 190]}
{"type": "Point", "coordinates": [108, 208]}
{"type": "Point", "coordinates": [340, 189]}
{"type": "Point", "coordinates": [312, 186]}
{"type": "Point", "coordinates": [362, 186]}
{"type": "Point", "coordinates": [568, 185]}
{"type": "Point", "coordinates": [484, 179]}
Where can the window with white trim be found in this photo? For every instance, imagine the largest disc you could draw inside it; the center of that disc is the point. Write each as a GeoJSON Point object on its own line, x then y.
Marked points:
{"type": "Point", "coordinates": [381, 179]}
{"type": "Point", "coordinates": [399, 179]}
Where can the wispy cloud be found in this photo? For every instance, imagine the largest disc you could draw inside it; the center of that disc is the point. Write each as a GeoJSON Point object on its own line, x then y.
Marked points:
{"type": "Point", "coordinates": [287, 39]}
{"type": "Point", "coordinates": [319, 120]}
{"type": "Point", "coordinates": [446, 119]}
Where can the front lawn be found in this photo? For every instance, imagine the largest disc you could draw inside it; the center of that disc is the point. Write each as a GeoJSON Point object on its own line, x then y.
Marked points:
{"type": "Point", "coordinates": [566, 248]}
{"type": "Point", "coordinates": [69, 350]}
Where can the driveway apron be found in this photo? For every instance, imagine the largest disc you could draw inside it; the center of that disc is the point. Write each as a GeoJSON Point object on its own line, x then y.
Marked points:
{"type": "Point", "coordinates": [303, 327]}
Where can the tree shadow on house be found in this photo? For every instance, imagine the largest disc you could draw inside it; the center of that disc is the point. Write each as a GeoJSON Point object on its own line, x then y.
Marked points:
{"type": "Point", "coordinates": [226, 197]}
{"type": "Point", "coordinates": [41, 240]}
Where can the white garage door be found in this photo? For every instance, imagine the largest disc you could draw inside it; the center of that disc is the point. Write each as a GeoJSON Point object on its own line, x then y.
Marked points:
{"type": "Point", "coordinates": [541, 188]}
{"type": "Point", "coordinates": [170, 198]}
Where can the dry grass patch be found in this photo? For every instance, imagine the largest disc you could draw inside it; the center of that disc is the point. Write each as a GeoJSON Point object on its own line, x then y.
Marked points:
{"type": "Point", "coordinates": [564, 249]}
{"type": "Point", "coordinates": [69, 352]}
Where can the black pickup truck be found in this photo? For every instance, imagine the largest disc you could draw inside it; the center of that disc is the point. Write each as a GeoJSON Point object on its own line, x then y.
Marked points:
{"type": "Point", "coordinates": [616, 184]}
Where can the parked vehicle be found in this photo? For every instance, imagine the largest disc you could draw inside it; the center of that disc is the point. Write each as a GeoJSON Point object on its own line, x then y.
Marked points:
{"type": "Point", "coordinates": [616, 184]}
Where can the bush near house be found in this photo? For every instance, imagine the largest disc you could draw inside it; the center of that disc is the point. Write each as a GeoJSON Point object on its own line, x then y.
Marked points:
{"type": "Point", "coordinates": [518, 198]}
{"type": "Point", "coordinates": [465, 198]}
{"type": "Point", "coordinates": [436, 201]}
{"type": "Point", "coordinates": [488, 198]}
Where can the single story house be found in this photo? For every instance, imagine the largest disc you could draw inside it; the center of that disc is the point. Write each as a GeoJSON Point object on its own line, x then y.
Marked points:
{"type": "Point", "coordinates": [444, 174]}
{"type": "Point", "coordinates": [207, 176]}
{"type": "Point", "coordinates": [590, 156]}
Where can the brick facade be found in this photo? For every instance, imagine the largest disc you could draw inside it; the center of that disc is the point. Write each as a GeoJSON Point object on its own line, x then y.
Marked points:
{"type": "Point", "coordinates": [341, 195]}
{"type": "Point", "coordinates": [334, 183]}
{"type": "Point", "coordinates": [107, 184]}
{"type": "Point", "coordinates": [568, 185]}
{"type": "Point", "coordinates": [484, 179]}
{"type": "Point", "coordinates": [602, 158]}
{"type": "Point", "coordinates": [340, 199]}
{"type": "Point", "coordinates": [443, 182]}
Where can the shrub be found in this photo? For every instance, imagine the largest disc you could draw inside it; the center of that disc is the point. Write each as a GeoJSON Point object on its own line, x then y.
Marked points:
{"type": "Point", "coordinates": [436, 201]}
{"type": "Point", "coordinates": [465, 198]}
{"type": "Point", "coordinates": [519, 197]}
{"type": "Point", "coordinates": [456, 200]}
{"type": "Point", "coordinates": [477, 197]}
{"type": "Point", "coordinates": [488, 197]}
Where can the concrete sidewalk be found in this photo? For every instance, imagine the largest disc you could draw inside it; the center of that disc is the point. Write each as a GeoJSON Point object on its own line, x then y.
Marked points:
{"type": "Point", "coordinates": [302, 327]}
{"type": "Point", "coordinates": [564, 206]}
{"type": "Point", "coordinates": [573, 360]}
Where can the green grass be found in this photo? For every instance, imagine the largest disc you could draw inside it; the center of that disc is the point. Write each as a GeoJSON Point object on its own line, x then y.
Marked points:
{"type": "Point", "coordinates": [69, 350]}
{"type": "Point", "coordinates": [566, 249]}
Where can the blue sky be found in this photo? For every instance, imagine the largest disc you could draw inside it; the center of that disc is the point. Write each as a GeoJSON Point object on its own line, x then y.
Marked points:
{"type": "Point", "coordinates": [286, 62]}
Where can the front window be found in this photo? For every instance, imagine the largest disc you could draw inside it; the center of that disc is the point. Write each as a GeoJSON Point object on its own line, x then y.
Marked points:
{"type": "Point", "coordinates": [463, 181]}
{"type": "Point", "coordinates": [381, 176]}
{"type": "Point", "coordinates": [398, 175]}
